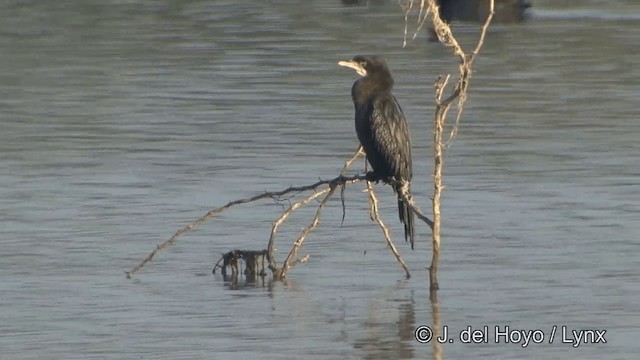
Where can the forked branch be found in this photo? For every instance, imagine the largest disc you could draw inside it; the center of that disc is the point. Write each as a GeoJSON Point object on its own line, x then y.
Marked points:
{"type": "Point", "coordinates": [459, 92]}
{"type": "Point", "coordinates": [338, 181]}
{"type": "Point", "coordinates": [320, 188]}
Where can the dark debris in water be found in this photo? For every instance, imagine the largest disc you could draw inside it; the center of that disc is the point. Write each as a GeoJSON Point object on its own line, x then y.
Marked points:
{"type": "Point", "coordinates": [234, 258]}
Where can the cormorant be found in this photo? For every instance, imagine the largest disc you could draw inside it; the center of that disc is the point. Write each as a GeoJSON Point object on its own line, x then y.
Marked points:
{"type": "Point", "coordinates": [382, 130]}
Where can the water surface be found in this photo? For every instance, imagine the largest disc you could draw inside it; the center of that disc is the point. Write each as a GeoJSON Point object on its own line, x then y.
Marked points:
{"type": "Point", "coordinates": [121, 122]}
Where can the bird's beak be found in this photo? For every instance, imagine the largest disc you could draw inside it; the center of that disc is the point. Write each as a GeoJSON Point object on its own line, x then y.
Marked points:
{"type": "Point", "coordinates": [355, 66]}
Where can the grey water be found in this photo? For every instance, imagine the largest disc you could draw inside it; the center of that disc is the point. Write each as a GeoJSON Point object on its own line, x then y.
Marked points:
{"type": "Point", "coordinates": [123, 121]}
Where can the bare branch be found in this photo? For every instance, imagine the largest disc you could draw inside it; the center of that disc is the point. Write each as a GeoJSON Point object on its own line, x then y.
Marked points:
{"type": "Point", "coordinates": [359, 152]}
{"type": "Point", "coordinates": [340, 180]}
{"type": "Point", "coordinates": [442, 29]}
{"type": "Point", "coordinates": [376, 217]}
{"type": "Point", "coordinates": [483, 32]}
{"type": "Point", "coordinates": [285, 215]}
{"type": "Point", "coordinates": [459, 93]}
{"type": "Point", "coordinates": [407, 11]}
{"type": "Point", "coordinates": [301, 260]}
{"type": "Point", "coordinates": [288, 263]}
{"type": "Point", "coordinates": [466, 72]}
{"type": "Point", "coordinates": [408, 199]}
{"type": "Point", "coordinates": [439, 86]}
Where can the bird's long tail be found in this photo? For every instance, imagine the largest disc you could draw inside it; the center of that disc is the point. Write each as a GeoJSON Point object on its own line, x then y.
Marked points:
{"type": "Point", "coordinates": [407, 216]}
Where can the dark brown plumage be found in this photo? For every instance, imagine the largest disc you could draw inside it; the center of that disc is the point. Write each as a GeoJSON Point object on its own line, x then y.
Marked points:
{"type": "Point", "coordinates": [382, 130]}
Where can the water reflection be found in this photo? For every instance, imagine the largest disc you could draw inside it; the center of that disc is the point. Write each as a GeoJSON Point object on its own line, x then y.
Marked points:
{"type": "Point", "coordinates": [387, 338]}
{"type": "Point", "coordinates": [235, 282]}
{"type": "Point", "coordinates": [436, 324]}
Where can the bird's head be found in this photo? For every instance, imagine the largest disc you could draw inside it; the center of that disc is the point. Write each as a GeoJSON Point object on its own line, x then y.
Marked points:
{"type": "Point", "coordinates": [366, 65]}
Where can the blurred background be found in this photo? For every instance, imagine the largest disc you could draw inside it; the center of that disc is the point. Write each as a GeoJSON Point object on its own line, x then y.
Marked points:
{"type": "Point", "coordinates": [121, 121]}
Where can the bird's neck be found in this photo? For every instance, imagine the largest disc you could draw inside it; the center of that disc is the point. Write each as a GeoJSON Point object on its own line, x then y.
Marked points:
{"type": "Point", "coordinates": [370, 86]}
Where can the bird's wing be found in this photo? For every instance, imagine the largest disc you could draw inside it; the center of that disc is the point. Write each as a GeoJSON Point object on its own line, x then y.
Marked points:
{"type": "Point", "coordinates": [391, 137]}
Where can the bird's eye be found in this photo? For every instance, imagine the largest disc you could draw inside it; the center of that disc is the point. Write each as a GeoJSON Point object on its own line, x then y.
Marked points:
{"type": "Point", "coordinates": [363, 63]}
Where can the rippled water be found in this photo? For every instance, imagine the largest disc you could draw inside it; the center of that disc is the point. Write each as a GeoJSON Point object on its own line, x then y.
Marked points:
{"type": "Point", "coordinates": [122, 122]}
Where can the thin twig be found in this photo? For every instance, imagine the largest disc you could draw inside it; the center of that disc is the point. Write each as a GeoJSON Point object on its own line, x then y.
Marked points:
{"type": "Point", "coordinates": [296, 246]}
{"type": "Point", "coordinates": [439, 86]}
{"type": "Point", "coordinates": [483, 32]}
{"type": "Point", "coordinates": [408, 199]}
{"type": "Point", "coordinates": [376, 217]}
{"type": "Point", "coordinates": [422, 16]}
{"type": "Point", "coordinates": [466, 73]}
{"type": "Point", "coordinates": [406, 22]}
{"type": "Point", "coordinates": [302, 260]}
{"type": "Point", "coordinates": [359, 151]}
{"type": "Point", "coordinates": [285, 215]}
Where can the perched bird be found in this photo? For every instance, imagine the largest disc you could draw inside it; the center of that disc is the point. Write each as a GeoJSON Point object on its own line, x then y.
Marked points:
{"type": "Point", "coordinates": [382, 130]}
